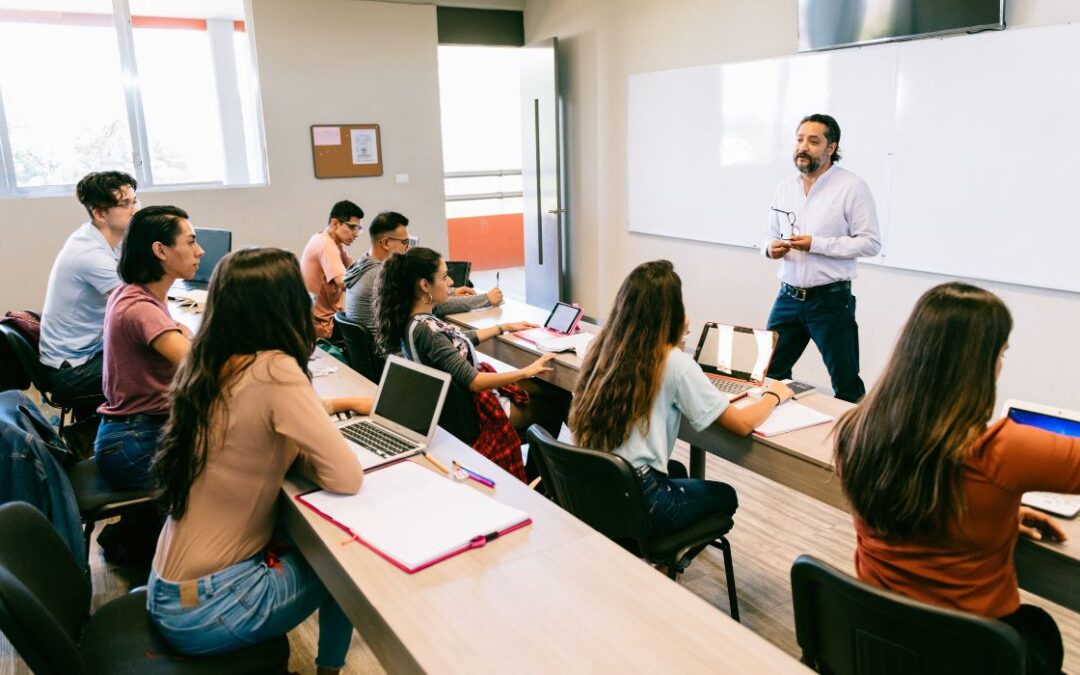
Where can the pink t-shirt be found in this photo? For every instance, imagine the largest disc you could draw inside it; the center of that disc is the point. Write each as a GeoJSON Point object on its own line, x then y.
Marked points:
{"type": "Point", "coordinates": [323, 261]}
{"type": "Point", "coordinates": [135, 376]}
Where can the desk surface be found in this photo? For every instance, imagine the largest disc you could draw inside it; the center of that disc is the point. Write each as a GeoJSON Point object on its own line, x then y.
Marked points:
{"type": "Point", "coordinates": [554, 596]}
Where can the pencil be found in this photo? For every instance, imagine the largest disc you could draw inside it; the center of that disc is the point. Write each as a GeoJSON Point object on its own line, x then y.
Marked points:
{"type": "Point", "coordinates": [436, 463]}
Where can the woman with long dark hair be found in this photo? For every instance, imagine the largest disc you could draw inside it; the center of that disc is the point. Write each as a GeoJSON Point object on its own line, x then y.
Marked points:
{"type": "Point", "coordinates": [243, 413]}
{"type": "Point", "coordinates": [935, 492]}
{"type": "Point", "coordinates": [409, 286]}
{"type": "Point", "coordinates": [637, 383]}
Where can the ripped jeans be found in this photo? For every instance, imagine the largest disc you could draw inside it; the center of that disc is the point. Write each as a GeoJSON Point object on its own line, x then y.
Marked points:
{"type": "Point", "coordinates": [676, 503]}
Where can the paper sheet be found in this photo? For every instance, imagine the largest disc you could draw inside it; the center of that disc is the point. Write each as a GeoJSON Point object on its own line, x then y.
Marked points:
{"type": "Point", "coordinates": [791, 416]}
{"type": "Point", "coordinates": [364, 148]}
{"type": "Point", "coordinates": [326, 135]}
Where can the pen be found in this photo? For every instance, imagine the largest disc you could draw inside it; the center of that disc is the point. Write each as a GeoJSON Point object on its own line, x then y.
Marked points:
{"type": "Point", "coordinates": [436, 463]}
{"type": "Point", "coordinates": [483, 480]}
{"type": "Point", "coordinates": [496, 280]}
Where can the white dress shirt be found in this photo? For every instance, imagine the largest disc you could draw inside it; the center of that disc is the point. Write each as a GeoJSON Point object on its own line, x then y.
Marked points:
{"type": "Point", "coordinates": [838, 213]}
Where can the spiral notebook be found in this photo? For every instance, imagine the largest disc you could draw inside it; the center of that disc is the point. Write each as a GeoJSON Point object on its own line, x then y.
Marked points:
{"type": "Point", "coordinates": [414, 517]}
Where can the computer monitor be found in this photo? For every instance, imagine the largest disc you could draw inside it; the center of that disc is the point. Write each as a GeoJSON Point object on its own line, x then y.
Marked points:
{"type": "Point", "coordinates": [459, 271]}
{"type": "Point", "coordinates": [216, 243]}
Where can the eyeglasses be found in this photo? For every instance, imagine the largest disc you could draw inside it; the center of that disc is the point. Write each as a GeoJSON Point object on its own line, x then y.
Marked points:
{"type": "Point", "coordinates": [795, 231]}
{"type": "Point", "coordinates": [404, 241]}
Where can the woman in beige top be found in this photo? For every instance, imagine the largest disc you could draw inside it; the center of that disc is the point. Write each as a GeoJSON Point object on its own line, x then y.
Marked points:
{"type": "Point", "coordinates": [243, 411]}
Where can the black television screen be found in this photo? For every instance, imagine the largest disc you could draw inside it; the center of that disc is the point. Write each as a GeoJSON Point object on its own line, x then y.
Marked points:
{"type": "Point", "coordinates": [827, 24]}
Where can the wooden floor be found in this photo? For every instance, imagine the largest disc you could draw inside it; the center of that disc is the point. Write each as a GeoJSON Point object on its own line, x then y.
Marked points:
{"type": "Point", "coordinates": [774, 525]}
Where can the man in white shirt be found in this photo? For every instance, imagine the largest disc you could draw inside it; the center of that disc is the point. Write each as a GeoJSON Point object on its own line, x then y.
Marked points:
{"type": "Point", "coordinates": [81, 280]}
{"type": "Point", "coordinates": [820, 221]}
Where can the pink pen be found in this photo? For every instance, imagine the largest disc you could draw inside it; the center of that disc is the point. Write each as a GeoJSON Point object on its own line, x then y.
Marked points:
{"type": "Point", "coordinates": [475, 476]}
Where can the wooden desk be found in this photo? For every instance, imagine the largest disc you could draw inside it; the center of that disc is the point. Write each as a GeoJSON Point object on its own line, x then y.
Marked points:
{"type": "Point", "coordinates": [554, 596]}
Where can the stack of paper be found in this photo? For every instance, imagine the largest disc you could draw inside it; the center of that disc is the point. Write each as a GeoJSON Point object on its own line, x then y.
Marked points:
{"type": "Point", "coordinates": [791, 416]}
{"type": "Point", "coordinates": [578, 342]}
{"type": "Point", "coordinates": [187, 297]}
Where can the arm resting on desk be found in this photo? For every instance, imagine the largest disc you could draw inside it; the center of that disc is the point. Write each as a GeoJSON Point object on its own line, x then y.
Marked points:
{"type": "Point", "coordinates": [742, 421]}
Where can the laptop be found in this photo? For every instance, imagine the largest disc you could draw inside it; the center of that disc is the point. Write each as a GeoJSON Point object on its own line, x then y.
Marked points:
{"type": "Point", "coordinates": [735, 358]}
{"type": "Point", "coordinates": [562, 321]}
{"type": "Point", "coordinates": [459, 271]}
{"type": "Point", "coordinates": [216, 244]}
{"type": "Point", "coordinates": [403, 416]}
{"type": "Point", "coordinates": [1059, 421]}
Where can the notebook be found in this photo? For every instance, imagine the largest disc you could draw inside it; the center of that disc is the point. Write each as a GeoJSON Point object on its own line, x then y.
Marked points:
{"type": "Point", "coordinates": [735, 358]}
{"type": "Point", "coordinates": [459, 271]}
{"type": "Point", "coordinates": [216, 244]}
{"type": "Point", "coordinates": [562, 321]}
{"type": "Point", "coordinates": [403, 416]}
{"type": "Point", "coordinates": [790, 416]}
{"type": "Point", "coordinates": [1059, 421]}
{"type": "Point", "coordinates": [414, 517]}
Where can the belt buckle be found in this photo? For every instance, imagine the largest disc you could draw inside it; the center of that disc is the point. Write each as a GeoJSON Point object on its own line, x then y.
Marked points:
{"type": "Point", "coordinates": [796, 293]}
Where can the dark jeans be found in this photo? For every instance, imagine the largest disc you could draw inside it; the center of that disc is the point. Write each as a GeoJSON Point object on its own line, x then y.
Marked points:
{"type": "Point", "coordinates": [123, 452]}
{"type": "Point", "coordinates": [68, 383]}
{"type": "Point", "coordinates": [1042, 638]}
{"type": "Point", "coordinates": [677, 503]}
{"type": "Point", "coordinates": [827, 318]}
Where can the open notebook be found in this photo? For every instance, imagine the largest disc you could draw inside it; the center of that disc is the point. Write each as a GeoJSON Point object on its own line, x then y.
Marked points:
{"type": "Point", "coordinates": [790, 416]}
{"type": "Point", "coordinates": [414, 517]}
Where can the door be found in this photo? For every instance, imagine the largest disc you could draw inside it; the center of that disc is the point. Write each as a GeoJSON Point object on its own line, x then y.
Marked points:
{"type": "Point", "coordinates": [544, 206]}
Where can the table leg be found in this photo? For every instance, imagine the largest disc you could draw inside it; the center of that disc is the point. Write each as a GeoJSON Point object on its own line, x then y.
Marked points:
{"type": "Point", "coordinates": [697, 462]}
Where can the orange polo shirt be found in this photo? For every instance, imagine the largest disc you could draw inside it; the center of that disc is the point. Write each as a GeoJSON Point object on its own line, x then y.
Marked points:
{"type": "Point", "coordinates": [972, 567]}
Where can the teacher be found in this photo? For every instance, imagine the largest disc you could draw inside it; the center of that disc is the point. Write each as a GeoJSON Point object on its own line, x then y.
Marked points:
{"type": "Point", "coordinates": [820, 221]}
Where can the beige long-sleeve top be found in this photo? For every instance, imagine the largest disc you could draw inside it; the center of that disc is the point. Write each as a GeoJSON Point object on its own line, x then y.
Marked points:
{"type": "Point", "coordinates": [274, 417]}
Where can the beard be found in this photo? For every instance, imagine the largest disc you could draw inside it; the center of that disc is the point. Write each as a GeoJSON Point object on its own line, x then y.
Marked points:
{"type": "Point", "coordinates": [811, 165]}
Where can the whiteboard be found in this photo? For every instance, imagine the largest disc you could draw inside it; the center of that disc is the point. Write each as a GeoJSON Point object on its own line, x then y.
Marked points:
{"type": "Point", "coordinates": [968, 143]}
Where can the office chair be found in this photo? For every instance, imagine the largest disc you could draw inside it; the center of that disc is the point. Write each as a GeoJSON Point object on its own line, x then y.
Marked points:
{"type": "Point", "coordinates": [847, 627]}
{"type": "Point", "coordinates": [98, 500]}
{"type": "Point", "coordinates": [45, 605]}
{"type": "Point", "coordinates": [602, 489]}
{"type": "Point", "coordinates": [364, 357]}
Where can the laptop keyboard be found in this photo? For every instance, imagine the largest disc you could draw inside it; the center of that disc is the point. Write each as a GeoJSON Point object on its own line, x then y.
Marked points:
{"type": "Point", "coordinates": [730, 386]}
{"type": "Point", "coordinates": [376, 439]}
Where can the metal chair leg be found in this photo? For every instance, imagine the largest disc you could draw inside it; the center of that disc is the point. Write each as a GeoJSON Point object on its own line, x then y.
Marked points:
{"type": "Point", "coordinates": [729, 573]}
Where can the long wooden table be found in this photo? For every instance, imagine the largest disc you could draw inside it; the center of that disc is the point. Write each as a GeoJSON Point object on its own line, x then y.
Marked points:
{"type": "Point", "coordinates": [801, 460]}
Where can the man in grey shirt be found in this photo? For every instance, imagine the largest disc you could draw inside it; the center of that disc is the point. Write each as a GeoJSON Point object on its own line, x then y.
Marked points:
{"type": "Point", "coordinates": [389, 232]}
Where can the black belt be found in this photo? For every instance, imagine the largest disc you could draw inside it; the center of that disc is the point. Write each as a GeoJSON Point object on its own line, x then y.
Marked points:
{"type": "Point", "coordinates": [140, 418]}
{"type": "Point", "coordinates": [804, 294]}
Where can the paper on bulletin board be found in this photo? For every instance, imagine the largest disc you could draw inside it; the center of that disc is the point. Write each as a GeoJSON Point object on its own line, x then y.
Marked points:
{"type": "Point", "coordinates": [326, 135]}
{"type": "Point", "coordinates": [364, 148]}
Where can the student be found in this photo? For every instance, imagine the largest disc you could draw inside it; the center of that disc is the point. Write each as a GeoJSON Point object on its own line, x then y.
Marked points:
{"type": "Point", "coordinates": [323, 264]}
{"type": "Point", "coordinates": [389, 232]}
{"type": "Point", "coordinates": [936, 494]}
{"type": "Point", "coordinates": [243, 412]}
{"type": "Point", "coordinates": [411, 284]}
{"type": "Point", "coordinates": [80, 282]}
{"type": "Point", "coordinates": [635, 385]}
{"type": "Point", "coordinates": [143, 343]}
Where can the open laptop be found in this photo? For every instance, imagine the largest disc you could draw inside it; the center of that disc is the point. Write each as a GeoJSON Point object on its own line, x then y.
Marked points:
{"type": "Point", "coordinates": [403, 417]}
{"type": "Point", "coordinates": [562, 321]}
{"type": "Point", "coordinates": [216, 244]}
{"type": "Point", "coordinates": [459, 271]}
{"type": "Point", "coordinates": [735, 358]}
{"type": "Point", "coordinates": [1059, 421]}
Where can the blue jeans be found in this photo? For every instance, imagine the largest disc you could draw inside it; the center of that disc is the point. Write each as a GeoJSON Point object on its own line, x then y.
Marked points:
{"type": "Point", "coordinates": [123, 452]}
{"type": "Point", "coordinates": [72, 382]}
{"type": "Point", "coordinates": [827, 318]}
{"type": "Point", "coordinates": [250, 602]}
{"type": "Point", "coordinates": [677, 503]}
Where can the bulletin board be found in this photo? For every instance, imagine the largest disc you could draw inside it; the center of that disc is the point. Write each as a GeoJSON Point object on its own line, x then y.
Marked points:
{"type": "Point", "coordinates": [346, 150]}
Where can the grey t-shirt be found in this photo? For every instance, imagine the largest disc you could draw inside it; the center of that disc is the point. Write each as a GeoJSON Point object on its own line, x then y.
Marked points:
{"type": "Point", "coordinates": [445, 351]}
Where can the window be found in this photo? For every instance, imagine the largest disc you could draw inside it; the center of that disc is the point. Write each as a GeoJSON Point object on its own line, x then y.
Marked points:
{"type": "Point", "coordinates": [163, 89]}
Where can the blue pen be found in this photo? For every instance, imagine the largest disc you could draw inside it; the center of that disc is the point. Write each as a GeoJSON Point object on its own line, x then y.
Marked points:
{"type": "Point", "coordinates": [475, 476]}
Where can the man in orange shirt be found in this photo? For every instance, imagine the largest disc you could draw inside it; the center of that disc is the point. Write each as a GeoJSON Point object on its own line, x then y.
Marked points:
{"type": "Point", "coordinates": [324, 262]}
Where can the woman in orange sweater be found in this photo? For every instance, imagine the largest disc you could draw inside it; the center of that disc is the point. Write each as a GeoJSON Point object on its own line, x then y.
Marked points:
{"type": "Point", "coordinates": [935, 491]}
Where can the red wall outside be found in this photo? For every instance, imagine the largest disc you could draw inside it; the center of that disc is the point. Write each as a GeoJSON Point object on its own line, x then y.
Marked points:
{"type": "Point", "coordinates": [488, 241]}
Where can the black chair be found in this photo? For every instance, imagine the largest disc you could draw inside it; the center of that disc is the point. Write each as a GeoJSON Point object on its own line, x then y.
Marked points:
{"type": "Point", "coordinates": [459, 416]}
{"type": "Point", "coordinates": [364, 356]}
{"type": "Point", "coordinates": [602, 489]}
{"type": "Point", "coordinates": [98, 500]}
{"type": "Point", "coordinates": [45, 602]}
{"type": "Point", "coordinates": [847, 627]}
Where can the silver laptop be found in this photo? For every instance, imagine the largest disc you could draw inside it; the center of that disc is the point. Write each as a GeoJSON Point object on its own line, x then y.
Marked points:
{"type": "Point", "coordinates": [403, 417]}
{"type": "Point", "coordinates": [1059, 421]}
{"type": "Point", "coordinates": [735, 358]}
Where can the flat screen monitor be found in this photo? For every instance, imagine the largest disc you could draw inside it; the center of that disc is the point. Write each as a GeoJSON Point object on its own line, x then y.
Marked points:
{"type": "Point", "coordinates": [828, 24]}
{"type": "Point", "coordinates": [216, 243]}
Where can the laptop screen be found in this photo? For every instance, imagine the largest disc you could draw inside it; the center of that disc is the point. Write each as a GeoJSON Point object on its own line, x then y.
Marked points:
{"type": "Point", "coordinates": [216, 243]}
{"type": "Point", "coordinates": [1058, 425]}
{"type": "Point", "coordinates": [742, 353]}
{"type": "Point", "coordinates": [459, 271]}
{"type": "Point", "coordinates": [409, 397]}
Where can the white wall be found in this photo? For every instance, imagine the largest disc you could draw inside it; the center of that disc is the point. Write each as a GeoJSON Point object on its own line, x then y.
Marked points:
{"type": "Point", "coordinates": [320, 61]}
{"type": "Point", "coordinates": [603, 41]}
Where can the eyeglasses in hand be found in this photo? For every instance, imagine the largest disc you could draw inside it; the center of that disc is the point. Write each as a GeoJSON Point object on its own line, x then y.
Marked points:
{"type": "Point", "coordinates": [795, 231]}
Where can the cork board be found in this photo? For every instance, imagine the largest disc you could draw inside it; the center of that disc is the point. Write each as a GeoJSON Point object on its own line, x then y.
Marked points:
{"type": "Point", "coordinates": [346, 150]}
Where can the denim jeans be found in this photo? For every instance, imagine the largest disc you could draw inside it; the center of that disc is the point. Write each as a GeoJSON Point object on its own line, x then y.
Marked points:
{"type": "Point", "coordinates": [250, 602]}
{"type": "Point", "coordinates": [676, 503]}
{"type": "Point", "coordinates": [1042, 638]}
{"type": "Point", "coordinates": [827, 318]}
{"type": "Point", "coordinates": [71, 382]}
{"type": "Point", "coordinates": [123, 452]}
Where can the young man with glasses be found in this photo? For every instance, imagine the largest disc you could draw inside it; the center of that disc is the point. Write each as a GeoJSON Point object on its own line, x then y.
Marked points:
{"type": "Point", "coordinates": [81, 280]}
{"type": "Point", "coordinates": [820, 221]}
{"type": "Point", "coordinates": [389, 232]}
{"type": "Point", "coordinates": [324, 262]}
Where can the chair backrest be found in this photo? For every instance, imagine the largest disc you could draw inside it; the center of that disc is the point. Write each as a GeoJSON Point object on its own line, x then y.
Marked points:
{"type": "Point", "coordinates": [600, 488]}
{"type": "Point", "coordinates": [847, 627]}
{"type": "Point", "coordinates": [44, 597]}
{"type": "Point", "coordinates": [25, 356]}
{"type": "Point", "coordinates": [459, 416]}
{"type": "Point", "coordinates": [364, 356]}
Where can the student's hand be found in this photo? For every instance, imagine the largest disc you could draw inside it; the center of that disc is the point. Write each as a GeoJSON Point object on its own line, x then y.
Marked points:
{"type": "Point", "coordinates": [495, 296]}
{"type": "Point", "coordinates": [538, 366]}
{"type": "Point", "coordinates": [780, 389]}
{"type": "Point", "coordinates": [464, 290]}
{"type": "Point", "coordinates": [1037, 525]}
{"type": "Point", "coordinates": [801, 242]}
{"type": "Point", "coordinates": [778, 249]}
{"type": "Point", "coordinates": [357, 404]}
{"type": "Point", "coordinates": [518, 325]}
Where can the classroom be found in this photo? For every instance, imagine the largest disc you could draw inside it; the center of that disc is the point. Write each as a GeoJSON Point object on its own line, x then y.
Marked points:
{"type": "Point", "coordinates": [358, 61]}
